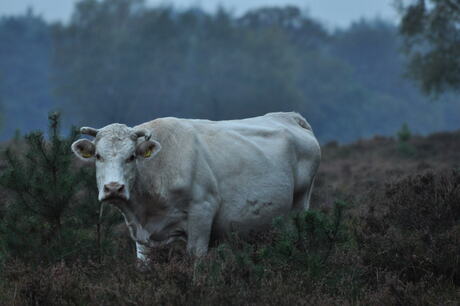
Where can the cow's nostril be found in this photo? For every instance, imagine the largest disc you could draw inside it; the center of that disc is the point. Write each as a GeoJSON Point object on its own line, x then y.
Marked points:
{"type": "Point", "coordinates": [113, 188]}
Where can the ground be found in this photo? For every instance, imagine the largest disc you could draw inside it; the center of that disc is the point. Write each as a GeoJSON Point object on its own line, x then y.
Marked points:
{"type": "Point", "coordinates": [393, 238]}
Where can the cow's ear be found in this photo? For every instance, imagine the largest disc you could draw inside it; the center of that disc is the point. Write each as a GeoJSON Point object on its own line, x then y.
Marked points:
{"type": "Point", "coordinates": [148, 148]}
{"type": "Point", "coordinates": [84, 149]}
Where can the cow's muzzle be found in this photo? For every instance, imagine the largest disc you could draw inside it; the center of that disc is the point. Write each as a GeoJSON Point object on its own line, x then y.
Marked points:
{"type": "Point", "coordinates": [114, 191]}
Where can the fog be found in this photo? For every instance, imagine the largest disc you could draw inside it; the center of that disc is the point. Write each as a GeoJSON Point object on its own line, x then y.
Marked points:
{"type": "Point", "coordinates": [125, 61]}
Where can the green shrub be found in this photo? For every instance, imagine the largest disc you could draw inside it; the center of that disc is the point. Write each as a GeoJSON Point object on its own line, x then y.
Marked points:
{"type": "Point", "coordinates": [301, 243]}
{"type": "Point", "coordinates": [404, 146]}
{"type": "Point", "coordinates": [53, 214]}
{"type": "Point", "coordinates": [307, 239]}
{"type": "Point", "coordinates": [404, 134]}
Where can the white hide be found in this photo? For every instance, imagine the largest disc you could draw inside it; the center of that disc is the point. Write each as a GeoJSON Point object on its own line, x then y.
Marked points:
{"type": "Point", "coordinates": [209, 176]}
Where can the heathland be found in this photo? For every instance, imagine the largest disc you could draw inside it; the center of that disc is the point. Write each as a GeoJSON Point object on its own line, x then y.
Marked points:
{"type": "Point", "coordinates": [384, 228]}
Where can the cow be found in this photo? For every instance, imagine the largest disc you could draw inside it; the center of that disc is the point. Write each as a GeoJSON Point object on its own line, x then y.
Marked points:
{"type": "Point", "coordinates": [189, 179]}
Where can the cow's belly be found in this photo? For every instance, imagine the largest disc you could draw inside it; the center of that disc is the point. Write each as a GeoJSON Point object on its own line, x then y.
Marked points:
{"type": "Point", "coordinates": [252, 204]}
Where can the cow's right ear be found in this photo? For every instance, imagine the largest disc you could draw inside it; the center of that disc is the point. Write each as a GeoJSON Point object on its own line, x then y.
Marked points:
{"type": "Point", "coordinates": [84, 149]}
{"type": "Point", "coordinates": [148, 148]}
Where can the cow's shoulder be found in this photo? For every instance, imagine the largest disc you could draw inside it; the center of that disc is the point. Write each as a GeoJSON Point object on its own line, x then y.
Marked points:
{"type": "Point", "coordinates": [168, 129]}
{"type": "Point", "coordinates": [161, 124]}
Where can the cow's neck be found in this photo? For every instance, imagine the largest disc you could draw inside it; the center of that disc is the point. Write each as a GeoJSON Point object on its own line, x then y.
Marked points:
{"type": "Point", "coordinates": [147, 212]}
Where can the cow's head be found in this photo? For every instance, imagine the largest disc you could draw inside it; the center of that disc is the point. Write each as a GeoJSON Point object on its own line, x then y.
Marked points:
{"type": "Point", "coordinates": [116, 150]}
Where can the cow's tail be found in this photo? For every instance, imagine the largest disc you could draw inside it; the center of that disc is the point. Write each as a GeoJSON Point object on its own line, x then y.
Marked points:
{"type": "Point", "coordinates": [301, 121]}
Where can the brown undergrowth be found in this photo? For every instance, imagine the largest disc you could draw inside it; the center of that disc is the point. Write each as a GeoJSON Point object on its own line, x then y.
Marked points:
{"type": "Point", "coordinates": [384, 229]}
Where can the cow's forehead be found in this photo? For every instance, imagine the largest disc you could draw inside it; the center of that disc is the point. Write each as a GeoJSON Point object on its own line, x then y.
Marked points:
{"type": "Point", "coordinates": [115, 130]}
{"type": "Point", "coordinates": [114, 137]}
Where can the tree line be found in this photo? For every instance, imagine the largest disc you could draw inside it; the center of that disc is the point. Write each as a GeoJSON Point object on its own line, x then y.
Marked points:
{"type": "Point", "coordinates": [123, 61]}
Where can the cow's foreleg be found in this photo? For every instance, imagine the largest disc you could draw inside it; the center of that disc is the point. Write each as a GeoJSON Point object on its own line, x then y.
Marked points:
{"type": "Point", "coordinates": [200, 219]}
{"type": "Point", "coordinates": [142, 252]}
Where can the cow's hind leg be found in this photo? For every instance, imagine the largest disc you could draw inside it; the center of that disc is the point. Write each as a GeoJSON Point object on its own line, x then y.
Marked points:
{"type": "Point", "coordinates": [304, 178]}
{"type": "Point", "coordinates": [301, 200]}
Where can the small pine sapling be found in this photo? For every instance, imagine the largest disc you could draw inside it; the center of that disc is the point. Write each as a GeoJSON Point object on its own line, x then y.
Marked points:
{"type": "Point", "coordinates": [43, 221]}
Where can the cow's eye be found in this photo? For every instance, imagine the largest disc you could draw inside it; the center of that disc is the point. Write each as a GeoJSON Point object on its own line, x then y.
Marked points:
{"type": "Point", "coordinates": [131, 158]}
{"type": "Point", "coordinates": [98, 157]}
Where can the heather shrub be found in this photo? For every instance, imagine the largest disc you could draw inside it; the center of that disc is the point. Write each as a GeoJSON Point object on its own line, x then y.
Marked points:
{"type": "Point", "coordinates": [271, 267]}
{"type": "Point", "coordinates": [396, 245]}
{"type": "Point", "coordinates": [417, 231]}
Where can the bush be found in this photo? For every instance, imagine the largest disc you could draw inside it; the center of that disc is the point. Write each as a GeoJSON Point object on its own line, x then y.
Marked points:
{"type": "Point", "coordinates": [307, 240]}
{"type": "Point", "coordinates": [299, 246]}
{"type": "Point", "coordinates": [417, 235]}
{"type": "Point", "coordinates": [404, 134]}
{"type": "Point", "coordinates": [53, 214]}
{"type": "Point", "coordinates": [404, 145]}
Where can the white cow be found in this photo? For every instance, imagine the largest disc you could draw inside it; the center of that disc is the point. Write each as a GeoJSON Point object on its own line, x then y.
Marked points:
{"type": "Point", "coordinates": [184, 179]}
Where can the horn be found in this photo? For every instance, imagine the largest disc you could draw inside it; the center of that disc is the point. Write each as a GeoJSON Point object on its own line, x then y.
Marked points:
{"type": "Point", "coordinates": [142, 133]}
{"type": "Point", "coordinates": [89, 131]}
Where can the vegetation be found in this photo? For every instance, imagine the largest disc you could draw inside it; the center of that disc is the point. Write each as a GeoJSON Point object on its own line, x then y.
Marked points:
{"type": "Point", "coordinates": [404, 135]}
{"type": "Point", "coordinates": [124, 61]}
{"type": "Point", "coordinates": [383, 229]}
{"type": "Point", "coordinates": [385, 223]}
{"type": "Point", "coordinates": [431, 30]}
{"type": "Point", "coordinates": [418, 232]}
{"type": "Point", "coordinates": [47, 218]}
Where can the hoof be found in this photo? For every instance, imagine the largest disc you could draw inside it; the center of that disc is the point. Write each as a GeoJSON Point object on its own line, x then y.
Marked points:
{"type": "Point", "coordinates": [143, 266]}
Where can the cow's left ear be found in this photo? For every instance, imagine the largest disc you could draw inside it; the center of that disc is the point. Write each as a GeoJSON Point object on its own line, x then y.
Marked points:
{"type": "Point", "coordinates": [148, 148]}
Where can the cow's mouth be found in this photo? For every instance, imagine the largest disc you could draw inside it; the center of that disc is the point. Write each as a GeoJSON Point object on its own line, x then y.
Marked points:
{"type": "Point", "coordinates": [115, 199]}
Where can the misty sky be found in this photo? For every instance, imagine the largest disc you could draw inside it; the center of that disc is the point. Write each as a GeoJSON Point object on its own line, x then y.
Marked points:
{"type": "Point", "coordinates": [332, 13]}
